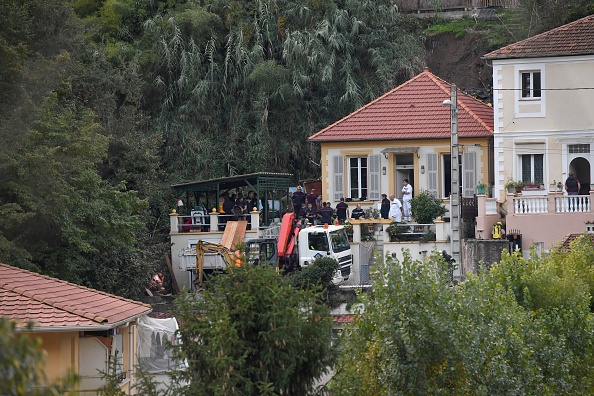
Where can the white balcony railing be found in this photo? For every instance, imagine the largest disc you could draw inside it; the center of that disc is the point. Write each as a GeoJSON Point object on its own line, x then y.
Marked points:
{"type": "Point", "coordinates": [573, 203]}
{"type": "Point", "coordinates": [525, 205]}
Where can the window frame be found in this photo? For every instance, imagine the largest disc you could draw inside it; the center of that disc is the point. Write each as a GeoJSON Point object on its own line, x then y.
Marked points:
{"type": "Point", "coordinates": [361, 175]}
{"type": "Point", "coordinates": [529, 92]}
{"type": "Point", "coordinates": [532, 167]}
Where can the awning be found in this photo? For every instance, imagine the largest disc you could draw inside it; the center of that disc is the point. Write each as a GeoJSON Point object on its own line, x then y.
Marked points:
{"type": "Point", "coordinates": [400, 150]}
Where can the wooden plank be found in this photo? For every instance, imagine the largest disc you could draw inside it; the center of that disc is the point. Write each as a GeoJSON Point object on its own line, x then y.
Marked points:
{"type": "Point", "coordinates": [173, 280]}
{"type": "Point", "coordinates": [234, 233]}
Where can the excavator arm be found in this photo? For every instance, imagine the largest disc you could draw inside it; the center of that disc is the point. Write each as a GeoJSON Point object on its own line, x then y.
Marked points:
{"type": "Point", "coordinates": [230, 259]}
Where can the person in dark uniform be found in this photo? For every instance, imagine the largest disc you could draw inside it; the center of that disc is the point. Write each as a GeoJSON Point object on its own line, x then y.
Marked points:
{"type": "Point", "coordinates": [298, 200]}
{"type": "Point", "coordinates": [311, 213]}
{"type": "Point", "coordinates": [326, 214]}
{"type": "Point", "coordinates": [358, 212]}
{"type": "Point", "coordinates": [342, 211]}
{"type": "Point", "coordinates": [385, 208]}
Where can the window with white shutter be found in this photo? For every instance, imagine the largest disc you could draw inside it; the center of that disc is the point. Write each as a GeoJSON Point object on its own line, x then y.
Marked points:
{"type": "Point", "coordinates": [432, 168]}
{"type": "Point", "coordinates": [373, 191]}
{"type": "Point", "coordinates": [468, 174]}
{"type": "Point", "coordinates": [338, 176]}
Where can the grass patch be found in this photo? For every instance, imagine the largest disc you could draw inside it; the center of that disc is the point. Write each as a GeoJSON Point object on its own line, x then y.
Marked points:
{"type": "Point", "coordinates": [458, 28]}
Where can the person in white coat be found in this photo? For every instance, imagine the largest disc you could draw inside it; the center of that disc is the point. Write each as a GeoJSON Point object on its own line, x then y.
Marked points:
{"type": "Point", "coordinates": [395, 209]}
{"type": "Point", "coordinates": [407, 193]}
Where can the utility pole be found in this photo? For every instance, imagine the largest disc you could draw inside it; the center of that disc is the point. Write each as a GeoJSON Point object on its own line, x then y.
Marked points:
{"type": "Point", "coordinates": [455, 176]}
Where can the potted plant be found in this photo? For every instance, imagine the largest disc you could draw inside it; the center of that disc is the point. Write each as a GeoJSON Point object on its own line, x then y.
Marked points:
{"type": "Point", "coordinates": [372, 213]}
{"type": "Point", "coordinates": [481, 188]}
{"type": "Point", "coordinates": [509, 184]}
{"type": "Point", "coordinates": [395, 230]}
{"type": "Point", "coordinates": [518, 186]}
{"type": "Point", "coordinates": [426, 208]}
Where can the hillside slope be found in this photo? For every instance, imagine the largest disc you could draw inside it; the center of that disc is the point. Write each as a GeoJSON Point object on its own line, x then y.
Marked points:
{"type": "Point", "coordinates": [458, 60]}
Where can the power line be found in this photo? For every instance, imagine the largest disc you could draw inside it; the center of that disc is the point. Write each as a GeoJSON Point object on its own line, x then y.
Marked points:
{"type": "Point", "coordinates": [542, 89]}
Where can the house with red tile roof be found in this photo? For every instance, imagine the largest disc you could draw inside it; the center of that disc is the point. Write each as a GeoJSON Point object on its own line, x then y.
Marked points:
{"type": "Point", "coordinates": [543, 90]}
{"type": "Point", "coordinates": [405, 134]}
{"type": "Point", "coordinates": [80, 327]}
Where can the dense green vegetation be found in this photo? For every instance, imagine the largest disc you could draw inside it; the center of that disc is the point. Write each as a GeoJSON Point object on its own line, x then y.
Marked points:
{"type": "Point", "coordinates": [522, 328]}
{"type": "Point", "coordinates": [254, 334]}
{"type": "Point", "coordinates": [106, 103]}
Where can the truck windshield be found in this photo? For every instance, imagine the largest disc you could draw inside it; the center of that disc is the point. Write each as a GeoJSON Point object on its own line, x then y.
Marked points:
{"type": "Point", "coordinates": [340, 241]}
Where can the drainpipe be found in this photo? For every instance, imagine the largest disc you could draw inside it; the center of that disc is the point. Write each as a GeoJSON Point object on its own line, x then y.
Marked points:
{"type": "Point", "coordinates": [131, 352]}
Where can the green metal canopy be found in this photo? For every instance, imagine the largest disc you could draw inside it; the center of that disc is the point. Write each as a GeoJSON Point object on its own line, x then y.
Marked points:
{"type": "Point", "coordinates": [271, 185]}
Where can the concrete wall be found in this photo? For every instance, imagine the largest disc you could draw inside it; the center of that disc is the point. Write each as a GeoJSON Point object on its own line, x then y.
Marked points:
{"type": "Point", "coordinates": [481, 254]}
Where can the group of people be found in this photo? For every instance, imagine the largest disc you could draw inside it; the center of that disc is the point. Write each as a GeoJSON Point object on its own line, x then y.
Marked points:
{"type": "Point", "coordinates": [310, 207]}
{"type": "Point", "coordinates": [237, 204]}
{"type": "Point", "coordinates": [393, 208]}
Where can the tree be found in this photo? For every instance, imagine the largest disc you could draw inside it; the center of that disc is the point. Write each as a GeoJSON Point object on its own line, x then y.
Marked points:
{"type": "Point", "coordinates": [253, 334]}
{"type": "Point", "coordinates": [522, 328]}
{"type": "Point", "coordinates": [22, 364]}
{"type": "Point", "coordinates": [541, 15]}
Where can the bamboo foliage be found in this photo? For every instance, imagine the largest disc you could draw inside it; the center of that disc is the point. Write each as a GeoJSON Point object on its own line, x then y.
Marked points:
{"type": "Point", "coordinates": [281, 73]}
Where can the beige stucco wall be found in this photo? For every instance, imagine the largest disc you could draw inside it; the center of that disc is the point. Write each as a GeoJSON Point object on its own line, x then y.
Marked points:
{"type": "Point", "coordinates": [387, 182]}
{"type": "Point", "coordinates": [61, 353]}
{"type": "Point", "coordinates": [563, 116]}
{"type": "Point", "coordinates": [563, 105]}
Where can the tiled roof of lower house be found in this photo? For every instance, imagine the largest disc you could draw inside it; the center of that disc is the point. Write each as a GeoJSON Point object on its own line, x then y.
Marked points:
{"type": "Point", "coordinates": [413, 110]}
{"type": "Point", "coordinates": [569, 238]}
{"type": "Point", "coordinates": [574, 38]}
{"type": "Point", "coordinates": [53, 304]}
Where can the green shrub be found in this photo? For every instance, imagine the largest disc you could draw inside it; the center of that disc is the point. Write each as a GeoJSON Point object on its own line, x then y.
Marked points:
{"type": "Point", "coordinates": [426, 208]}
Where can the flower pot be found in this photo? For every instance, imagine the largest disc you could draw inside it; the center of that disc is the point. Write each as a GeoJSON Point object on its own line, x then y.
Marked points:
{"type": "Point", "coordinates": [518, 189]}
{"type": "Point", "coordinates": [481, 190]}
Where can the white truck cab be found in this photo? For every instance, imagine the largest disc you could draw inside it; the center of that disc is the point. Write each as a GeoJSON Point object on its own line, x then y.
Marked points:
{"type": "Point", "coordinates": [322, 241]}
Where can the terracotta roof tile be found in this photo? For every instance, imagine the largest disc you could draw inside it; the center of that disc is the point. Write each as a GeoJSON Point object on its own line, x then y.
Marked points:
{"type": "Point", "coordinates": [343, 318]}
{"type": "Point", "coordinates": [413, 110]}
{"type": "Point", "coordinates": [575, 38]}
{"type": "Point", "coordinates": [48, 302]}
{"type": "Point", "coordinates": [569, 238]}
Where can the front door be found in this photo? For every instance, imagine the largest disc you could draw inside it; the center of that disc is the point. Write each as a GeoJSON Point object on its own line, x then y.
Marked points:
{"type": "Point", "coordinates": [581, 169]}
{"type": "Point", "coordinates": [404, 169]}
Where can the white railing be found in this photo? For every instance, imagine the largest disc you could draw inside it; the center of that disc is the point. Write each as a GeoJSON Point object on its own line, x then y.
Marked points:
{"type": "Point", "coordinates": [491, 206]}
{"type": "Point", "coordinates": [531, 205]}
{"type": "Point", "coordinates": [573, 203]}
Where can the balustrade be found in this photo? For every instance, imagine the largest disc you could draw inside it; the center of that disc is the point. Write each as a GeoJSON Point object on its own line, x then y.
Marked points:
{"type": "Point", "coordinates": [573, 204]}
{"type": "Point", "coordinates": [526, 205]}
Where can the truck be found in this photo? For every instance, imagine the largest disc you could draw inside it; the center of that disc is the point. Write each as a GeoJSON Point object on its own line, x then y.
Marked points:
{"type": "Point", "coordinates": [296, 247]}
{"type": "Point", "coordinates": [299, 245]}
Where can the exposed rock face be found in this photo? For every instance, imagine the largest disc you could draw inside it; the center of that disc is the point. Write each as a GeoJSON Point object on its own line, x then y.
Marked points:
{"type": "Point", "coordinates": [458, 61]}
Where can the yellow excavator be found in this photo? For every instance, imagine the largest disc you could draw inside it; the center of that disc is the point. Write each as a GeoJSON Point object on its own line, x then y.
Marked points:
{"type": "Point", "coordinates": [231, 259]}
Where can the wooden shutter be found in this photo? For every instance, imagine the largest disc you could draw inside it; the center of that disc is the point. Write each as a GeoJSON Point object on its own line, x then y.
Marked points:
{"type": "Point", "coordinates": [373, 190]}
{"type": "Point", "coordinates": [432, 182]}
{"type": "Point", "coordinates": [338, 169]}
{"type": "Point", "coordinates": [468, 174]}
